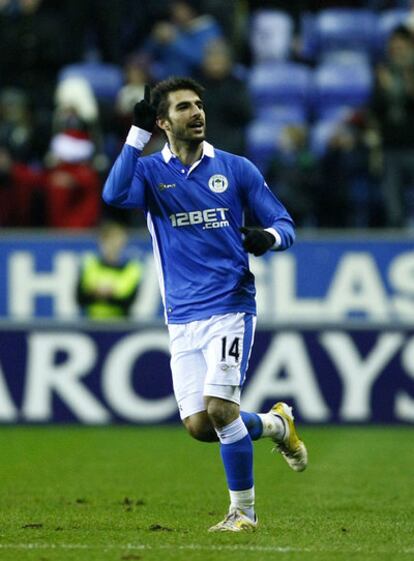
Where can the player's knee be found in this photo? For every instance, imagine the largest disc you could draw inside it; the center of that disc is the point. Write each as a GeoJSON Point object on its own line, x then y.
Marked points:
{"type": "Point", "coordinates": [199, 427]}
{"type": "Point", "coordinates": [221, 412]}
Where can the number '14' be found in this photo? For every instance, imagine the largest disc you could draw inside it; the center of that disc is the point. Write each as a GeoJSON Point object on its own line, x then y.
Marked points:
{"type": "Point", "coordinates": [232, 351]}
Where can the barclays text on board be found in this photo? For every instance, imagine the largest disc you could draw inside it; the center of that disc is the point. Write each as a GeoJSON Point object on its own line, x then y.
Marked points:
{"type": "Point", "coordinates": [98, 377]}
{"type": "Point", "coordinates": [321, 281]}
{"type": "Point", "coordinates": [75, 373]}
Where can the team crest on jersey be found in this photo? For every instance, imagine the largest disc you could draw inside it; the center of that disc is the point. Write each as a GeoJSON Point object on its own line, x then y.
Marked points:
{"type": "Point", "coordinates": [218, 183]}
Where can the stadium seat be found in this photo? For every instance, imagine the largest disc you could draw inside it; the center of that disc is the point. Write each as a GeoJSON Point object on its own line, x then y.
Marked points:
{"type": "Point", "coordinates": [260, 143]}
{"type": "Point", "coordinates": [270, 35]}
{"type": "Point", "coordinates": [283, 114]}
{"type": "Point", "coordinates": [356, 58]}
{"type": "Point", "coordinates": [105, 79]}
{"type": "Point", "coordinates": [334, 29]}
{"type": "Point", "coordinates": [272, 83]}
{"type": "Point", "coordinates": [334, 112]}
{"type": "Point", "coordinates": [339, 85]}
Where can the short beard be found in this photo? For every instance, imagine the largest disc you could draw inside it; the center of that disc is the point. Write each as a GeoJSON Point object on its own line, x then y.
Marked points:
{"type": "Point", "coordinates": [181, 135]}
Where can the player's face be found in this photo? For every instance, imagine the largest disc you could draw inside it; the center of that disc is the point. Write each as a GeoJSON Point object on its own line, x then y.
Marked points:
{"type": "Point", "coordinates": [186, 119]}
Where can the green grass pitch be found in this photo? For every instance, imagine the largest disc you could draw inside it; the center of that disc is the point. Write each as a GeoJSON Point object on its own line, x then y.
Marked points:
{"type": "Point", "coordinates": [133, 493]}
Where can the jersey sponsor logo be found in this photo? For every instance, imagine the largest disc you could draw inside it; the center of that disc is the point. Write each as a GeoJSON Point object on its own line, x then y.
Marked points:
{"type": "Point", "coordinates": [218, 183]}
{"type": "Point", "coordinates": [210, 218]}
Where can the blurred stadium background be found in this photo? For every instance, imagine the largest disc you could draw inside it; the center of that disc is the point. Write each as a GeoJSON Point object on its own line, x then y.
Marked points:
{"type": "Point", "coordinates": [321, 98]}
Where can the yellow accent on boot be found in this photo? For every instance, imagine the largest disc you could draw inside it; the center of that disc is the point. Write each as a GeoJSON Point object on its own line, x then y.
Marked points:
{"type": "Point", "coordinates": [235, 521]}
{"type": "Point", "coordinates": [291, 447]}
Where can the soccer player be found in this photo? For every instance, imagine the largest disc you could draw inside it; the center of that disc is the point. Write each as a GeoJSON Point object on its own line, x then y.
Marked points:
{"type": "Point", "coordinates": [194, 197]}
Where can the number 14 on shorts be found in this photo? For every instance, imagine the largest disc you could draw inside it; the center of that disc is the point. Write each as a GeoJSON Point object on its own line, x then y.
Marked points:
{"type": "Point", "coordinates": [230, 348]}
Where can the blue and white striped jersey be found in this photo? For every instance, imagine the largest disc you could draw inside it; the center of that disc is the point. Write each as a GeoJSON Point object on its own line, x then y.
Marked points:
{"type": "Point", "coordinates": [194, 214]}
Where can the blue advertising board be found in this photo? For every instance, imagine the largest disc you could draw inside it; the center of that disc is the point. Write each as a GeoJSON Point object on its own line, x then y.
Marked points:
{"type": "Point", "coordinates": [326, 279]}
{"type": "Point", "coordinates": [96, 375]}
{"type": "Point", "coordinates": [335, 335]}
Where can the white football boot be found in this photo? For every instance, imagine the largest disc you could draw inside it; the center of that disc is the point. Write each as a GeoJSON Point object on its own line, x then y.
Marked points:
{"type": "Point", "coordinates": [235, 521]}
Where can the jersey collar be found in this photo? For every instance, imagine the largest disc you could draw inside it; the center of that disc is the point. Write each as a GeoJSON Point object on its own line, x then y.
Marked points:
{"type": "Point", "coordinates": [208, 150]}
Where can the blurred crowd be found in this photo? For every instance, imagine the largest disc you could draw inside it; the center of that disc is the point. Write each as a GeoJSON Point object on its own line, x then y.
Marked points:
{"type": "Point", "coordinates": [71, 72]}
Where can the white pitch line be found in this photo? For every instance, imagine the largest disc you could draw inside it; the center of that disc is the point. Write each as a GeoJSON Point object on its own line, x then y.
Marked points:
{"type": "Point", "coordinates": [239, 547]}
{"type": "Point", "coordinates": [201, 547]}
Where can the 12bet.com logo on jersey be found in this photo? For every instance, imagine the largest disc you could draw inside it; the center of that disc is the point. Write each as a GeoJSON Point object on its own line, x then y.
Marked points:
{"type": "Point", "coordinates": [209, 218]}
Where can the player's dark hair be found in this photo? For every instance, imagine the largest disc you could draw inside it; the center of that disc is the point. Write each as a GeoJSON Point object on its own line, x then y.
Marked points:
{"type": "Point", "coordinates": [159, 94]}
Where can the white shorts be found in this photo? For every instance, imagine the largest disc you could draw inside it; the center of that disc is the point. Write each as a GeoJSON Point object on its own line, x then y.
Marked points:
{"type": "Point", "coordinates": [210, 358]}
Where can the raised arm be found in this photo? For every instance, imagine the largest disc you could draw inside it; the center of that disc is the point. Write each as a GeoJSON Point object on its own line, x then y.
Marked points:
{"type": "Point", "coordinates": [124, 186]}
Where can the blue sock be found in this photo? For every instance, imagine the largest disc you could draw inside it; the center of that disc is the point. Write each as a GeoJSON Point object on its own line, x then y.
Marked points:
{"type": "Point", "coordinates": [237, 454]}
{"type": "Point", "coordinates": [238, 463]}
{"type": "Point", "coordinates": [253, 424]}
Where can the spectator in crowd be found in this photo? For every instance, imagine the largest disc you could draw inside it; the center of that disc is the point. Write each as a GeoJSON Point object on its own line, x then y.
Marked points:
{"type": "Point", "coordinates": [74, 99]}
{"type": "Point", "coordinates": [95, 27]}
{"type": "Point", "coordinates": [35, 42]}
{"type": "Point", "coordinates": [393, 108]}
{"type": "Point", "coordinates": [72, 185]}
{"type": "Point", "coordinates": [177, 46]}
{"type": "Point", "coordinates": [349, 194]}
{"type": "Point", "coordinates": [137, 74]}
{"type": "Point", "coordinates": [76, 107]}
{"type": "Point", "coordinates": [21, 202]}
{"type": "Point", "coordinates": [336, 163]}
{"type": "Point", "coordinates": [230, 19]}
{"type": "Point", "coordinates": [16, 124]}
{"type": "Point", "coordinates": [108, 282]}
{"type": "Point", "coordinates": [6, 188]}
{"type": "Point", "coordinates": [139, 19]}
{"type": "Point", "coordinates": [226, 97]}
{"type": "Point", "coordinates": [294, 174]}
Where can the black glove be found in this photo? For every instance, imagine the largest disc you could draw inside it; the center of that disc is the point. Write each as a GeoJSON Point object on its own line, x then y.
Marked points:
{"type": "Point", "coordinates": [145, 114]}
{"type": "Point", "coordinates": [257, 240]}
